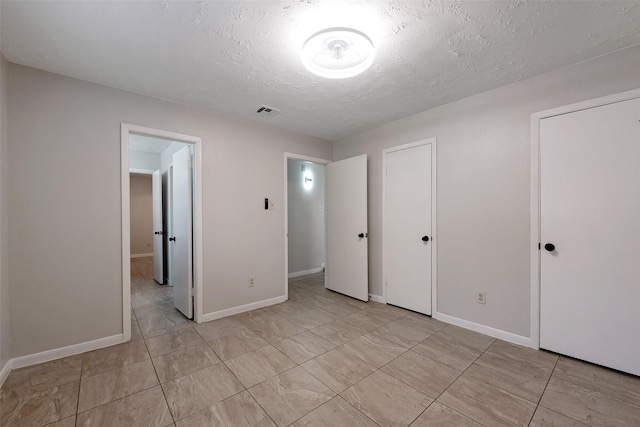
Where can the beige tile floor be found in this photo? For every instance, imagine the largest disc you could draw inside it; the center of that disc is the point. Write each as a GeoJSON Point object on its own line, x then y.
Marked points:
{"type": "Point", "coordinates": [319, 359]}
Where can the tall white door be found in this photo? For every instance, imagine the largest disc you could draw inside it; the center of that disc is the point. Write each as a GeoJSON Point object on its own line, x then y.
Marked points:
{"type": "Point", "coordinates": [156, 192]}
{"type": "Point", "coordinates": [347, 262]}
{"type": "Point", "coordinates": [408, 238]}
{"type": "Point", "coordinates": [590, 235]}
{"type": "Point", "coordinates": [181, 240]}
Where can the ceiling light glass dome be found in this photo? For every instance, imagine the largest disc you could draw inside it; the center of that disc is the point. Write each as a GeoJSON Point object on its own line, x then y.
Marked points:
{"type": "Point", "coordinates": [338, 53]}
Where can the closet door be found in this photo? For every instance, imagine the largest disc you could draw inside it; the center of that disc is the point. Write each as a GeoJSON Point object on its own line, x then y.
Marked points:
{"type": "Point", "coordinates": [590, 235]}
{"type": "Point", "coordinates": [408, 226]}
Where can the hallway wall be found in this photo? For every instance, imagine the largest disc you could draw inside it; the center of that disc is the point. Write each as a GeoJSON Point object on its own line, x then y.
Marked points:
{"type": "Point", "coordinates": [306, 216]}
{"type": "Point", "coordinates": [141, 207]}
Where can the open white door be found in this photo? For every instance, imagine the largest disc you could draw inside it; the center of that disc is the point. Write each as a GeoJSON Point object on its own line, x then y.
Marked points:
{"type": "Point", "coordinates": [347, 262]}
{"type": "Point", "coordinates": [156, 192]}
{"type": "Point", "coordinates": [181, 240]}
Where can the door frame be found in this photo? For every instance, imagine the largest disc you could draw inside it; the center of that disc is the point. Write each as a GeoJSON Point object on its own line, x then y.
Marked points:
{"type": "Point", "coordinates": [125, 130]}
{"type": "Point", "coordinates": [287, 157]}
{"type": "Point", "coordinates": [535, 196]}
{"type": "Point", "coordinates": [434, 241]}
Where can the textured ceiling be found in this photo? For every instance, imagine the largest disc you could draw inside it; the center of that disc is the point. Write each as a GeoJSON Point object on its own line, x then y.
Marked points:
{"type": "Point", "coordinates": [235, 56]}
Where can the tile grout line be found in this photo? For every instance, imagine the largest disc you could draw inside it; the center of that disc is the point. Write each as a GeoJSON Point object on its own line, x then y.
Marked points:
{"type": "Point", "coordinates": [166, 401]}
{"type": "Point", "coordinates": [375, 369]}
{"type": "Point", "coordinates": [252, 396]}
{"type": "Point", "coordinates": [337, 394]}
{"type": "Point", "coordinates": [456, 379]}
{"type": "Point", "coordinates": [544, 390]}
{"type": "Point", "coordinates": [593, 390]}
{"type": "Point", "coordinates": [408, 350]}
{"type": "Point", "coordinates": [79, 389]}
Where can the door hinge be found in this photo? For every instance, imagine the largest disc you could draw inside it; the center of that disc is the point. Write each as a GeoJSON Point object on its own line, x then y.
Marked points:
{"type": "Point", "coordinates": [190, 292]}
{"type": "Point", "coordinates": [538, 245]}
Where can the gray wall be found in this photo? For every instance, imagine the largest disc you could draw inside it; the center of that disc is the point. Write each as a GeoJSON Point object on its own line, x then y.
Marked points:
{"type": "Point", "coordinates": [141, 214]}
{"type": "Point", "coordinates": [4, 263]}
{"type": "Point", "coordinates": [483, 185]}
{"type": "Point", "coordinates": [64, 205]}
{"type": "Point", "coordinates": [305, 217]}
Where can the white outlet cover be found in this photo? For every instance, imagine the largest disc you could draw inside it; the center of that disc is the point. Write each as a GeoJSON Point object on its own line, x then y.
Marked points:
{"type": "Point", "coordinates": [481, 297]}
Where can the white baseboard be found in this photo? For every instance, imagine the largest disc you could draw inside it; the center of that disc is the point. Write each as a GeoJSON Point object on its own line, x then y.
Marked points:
{"type": "Point", "coordinates": [4, 373]}
{"type": "Point", "coordinates": [58, 353]}
{"type": "Point", "coordinates": [483, 329]}
{"type": "Point", "coordinates": [241, 309]}
{"type": "Point", "coordinates": [141, 255]}
{"type": "Point", "coordinates": [305, 272]}
{"type": "Point", "coordinates": [377, 298]}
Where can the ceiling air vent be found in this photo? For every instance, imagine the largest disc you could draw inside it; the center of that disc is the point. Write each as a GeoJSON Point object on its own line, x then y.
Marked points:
{"type": "Point", "coordinates": [267, 111]}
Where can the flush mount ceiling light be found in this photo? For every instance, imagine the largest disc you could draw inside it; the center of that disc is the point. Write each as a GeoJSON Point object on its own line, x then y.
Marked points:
{"type": "Point", "coordinates": [337, 53]}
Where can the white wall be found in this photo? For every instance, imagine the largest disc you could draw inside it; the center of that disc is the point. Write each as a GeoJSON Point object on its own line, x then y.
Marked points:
{"type": "Point", "coordinates": [306, 216]}
{"type": "Point", "coordinates": [65, 288]}
{"type": "Point", "coordinates": [483, 170]}
{"type": "Point", "coordinates": [141, 214]}
{"type": "Point", "coordinates": [142, 160]}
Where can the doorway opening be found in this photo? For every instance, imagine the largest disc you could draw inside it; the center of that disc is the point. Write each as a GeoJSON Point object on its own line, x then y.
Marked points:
{"type": "Point", "coordinates": [305, 219]}
{"type": "Point", "coordinates": [161, 229]}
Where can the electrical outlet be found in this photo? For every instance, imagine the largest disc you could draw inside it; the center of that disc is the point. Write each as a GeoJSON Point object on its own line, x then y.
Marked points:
{"type": "Point", "coordinates": [252, 281]}
{"type": "Point", "coordinates": [481, 297]}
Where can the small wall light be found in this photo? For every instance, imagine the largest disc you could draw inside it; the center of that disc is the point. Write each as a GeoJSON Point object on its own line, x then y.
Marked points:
{"type": "Point", "coordinates": [307, 180]}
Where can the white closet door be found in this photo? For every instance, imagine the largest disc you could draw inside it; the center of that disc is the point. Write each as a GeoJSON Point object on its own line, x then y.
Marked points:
{"type": "Point", "coordinates": [590, 213]}
{"type": "Point", "coordinates": [408, 238]}
{"type": "Point", "coordinates": [347, 259]}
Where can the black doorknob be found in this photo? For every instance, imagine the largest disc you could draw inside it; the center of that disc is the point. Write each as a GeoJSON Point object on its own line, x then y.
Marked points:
{"type": "Point", "coordinates": [550, 247]}
{"type": "Point", "coordinates": [425, 238]}
{"type": "Point", "coordinates": [361, 235]}
{"type": "Point", "coordinates": [172, 239]}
